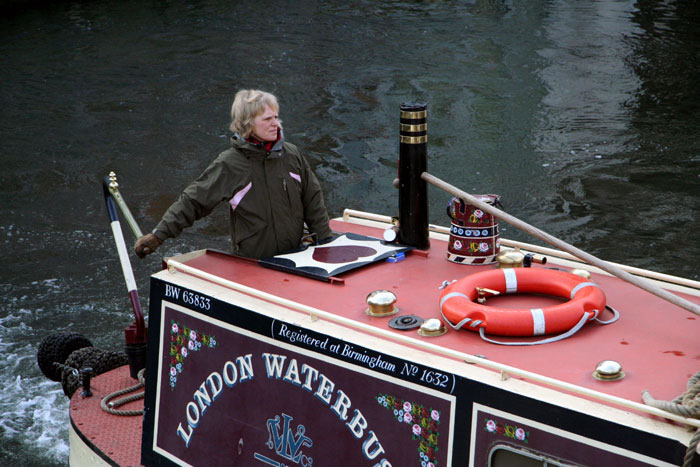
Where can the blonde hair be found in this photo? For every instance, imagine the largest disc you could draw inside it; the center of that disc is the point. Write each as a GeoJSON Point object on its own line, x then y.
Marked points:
{"type": "Point", "coordinates": [248, 104]}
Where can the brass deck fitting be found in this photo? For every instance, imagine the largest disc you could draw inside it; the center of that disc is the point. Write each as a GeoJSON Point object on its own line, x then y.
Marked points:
{"type": "Point", "coordinates": [432, 327]}
{"type": "Point", "coordinates": [510, 259]}
{"type": "Point", "coordinates": [608, 370]}
{"type": "Point", "coordinates": [381, 303]}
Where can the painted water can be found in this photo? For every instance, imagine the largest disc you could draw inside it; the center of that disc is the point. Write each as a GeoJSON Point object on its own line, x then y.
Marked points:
{"type": "Point", "coordinates": [473, 232]}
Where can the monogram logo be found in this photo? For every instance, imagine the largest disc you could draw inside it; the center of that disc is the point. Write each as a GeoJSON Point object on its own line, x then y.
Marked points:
{"type": "Point", "coordinates": [285, 442]}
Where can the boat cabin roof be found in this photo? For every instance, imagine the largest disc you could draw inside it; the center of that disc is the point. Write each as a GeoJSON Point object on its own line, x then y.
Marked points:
{"type": "Point", "coordinates": [655, 342]}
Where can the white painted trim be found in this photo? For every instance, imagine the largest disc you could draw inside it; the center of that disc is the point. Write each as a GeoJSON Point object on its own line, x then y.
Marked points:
{"type": "Point", "coordinates": [123, 256]}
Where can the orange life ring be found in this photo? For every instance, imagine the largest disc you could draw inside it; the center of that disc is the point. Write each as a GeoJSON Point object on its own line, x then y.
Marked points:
{"type": "Point", "coordinates": [458, 302]}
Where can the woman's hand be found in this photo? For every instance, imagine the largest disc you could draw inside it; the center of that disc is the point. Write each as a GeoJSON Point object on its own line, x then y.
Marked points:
{"type": "Point", "coordinates": [146, 245]}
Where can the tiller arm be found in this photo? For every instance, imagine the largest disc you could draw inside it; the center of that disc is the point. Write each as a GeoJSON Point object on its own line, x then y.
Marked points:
{"type": "Point", "coordinates": [135, 333]}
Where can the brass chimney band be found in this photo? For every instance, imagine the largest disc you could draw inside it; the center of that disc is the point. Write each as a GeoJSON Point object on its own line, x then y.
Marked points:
{"type": "Point", "coordinates": [413, 139]}
{"type": "Point", "coordinates": [414, 128]}
{"type": "Point", "coordinates": [421, 114]}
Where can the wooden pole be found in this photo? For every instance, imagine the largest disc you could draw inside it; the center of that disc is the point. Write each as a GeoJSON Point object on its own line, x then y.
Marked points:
{"type": "Point", "coordinates": [561, 245]}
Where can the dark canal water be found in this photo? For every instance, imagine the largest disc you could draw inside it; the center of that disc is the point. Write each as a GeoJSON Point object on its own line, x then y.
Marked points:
{"type": "Point", "coordinates": [583, 116]}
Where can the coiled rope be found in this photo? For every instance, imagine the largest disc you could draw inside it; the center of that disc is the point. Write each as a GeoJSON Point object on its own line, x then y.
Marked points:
{"type": "Point", "coordinates": [686, 405]}
{"type": "Point", "coordinates": [109, 407]}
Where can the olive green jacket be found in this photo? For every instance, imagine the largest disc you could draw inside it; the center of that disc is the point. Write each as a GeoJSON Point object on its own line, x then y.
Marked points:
{"type": "Point", "coordinates": [271, 195]}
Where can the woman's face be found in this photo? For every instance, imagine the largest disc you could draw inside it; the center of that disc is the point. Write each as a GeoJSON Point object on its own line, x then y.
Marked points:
{"type": "Point", "coordinates": [265, 125]}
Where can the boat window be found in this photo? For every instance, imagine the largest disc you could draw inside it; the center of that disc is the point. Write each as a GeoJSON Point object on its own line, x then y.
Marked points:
{"type": "Point", "coordinates": [509, 456]}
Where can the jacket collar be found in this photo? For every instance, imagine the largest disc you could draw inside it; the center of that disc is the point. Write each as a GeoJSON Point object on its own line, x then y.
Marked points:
{"type": "Point", "coordinates": [255, 146]}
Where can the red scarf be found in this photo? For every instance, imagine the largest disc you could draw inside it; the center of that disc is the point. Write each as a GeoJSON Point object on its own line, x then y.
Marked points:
{"type": "Point", "coordinates": [268, 145]}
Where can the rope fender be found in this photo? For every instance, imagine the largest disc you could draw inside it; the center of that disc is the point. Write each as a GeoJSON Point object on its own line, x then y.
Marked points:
{"type": "Point", "coordinates": [55, 349]}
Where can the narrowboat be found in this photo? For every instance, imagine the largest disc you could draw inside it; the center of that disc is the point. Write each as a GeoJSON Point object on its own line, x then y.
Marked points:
{"type": "Point", "coordinates": [400, 343]}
